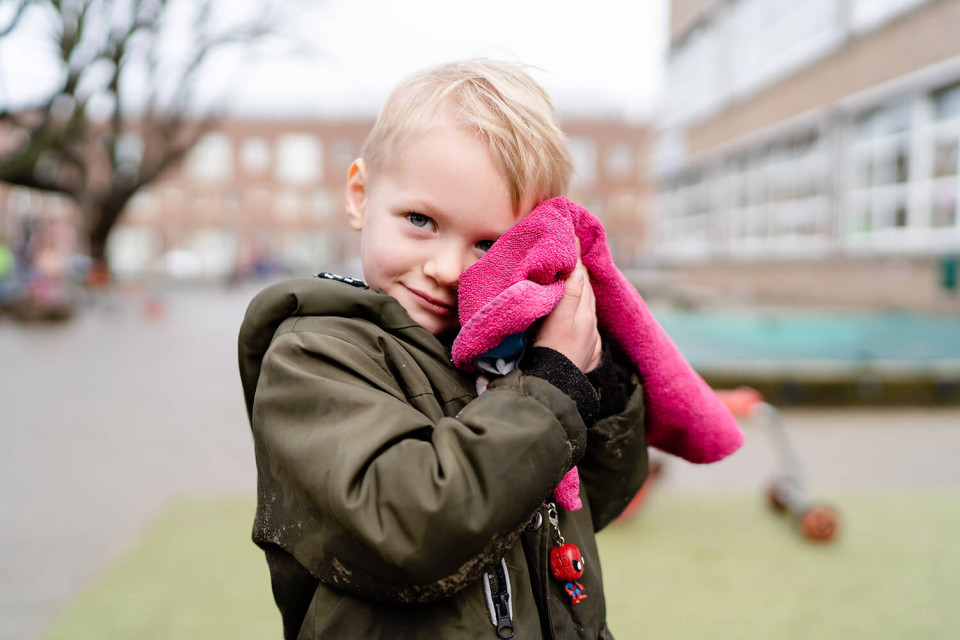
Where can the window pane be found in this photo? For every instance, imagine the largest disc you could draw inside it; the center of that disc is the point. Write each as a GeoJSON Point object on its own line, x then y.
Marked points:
{"type": "Point", "coordinates": [860, 222]}
{"type": "Point", "coordinates": [863, 124]}
{"type": "Point", "coordinates": [903, 165]}
{"type": "Point", "coordinates": [210, 160]}
{"type": "Point", "coordinates": [893, 119]}
{"type": "Point", "coordinates": [864, 171]}
{"type": "Point", "coordinates": [255, 155]}
{"type": "Point", "coordinates": [900, 215]}
{"type": "Point", "coordinates": [299, 158]}
{"type": "Point", "coordinates": [944, 212]}
{"type": "Point", "coordinates": [584, 153]}
{"type": "Point", "coordinates": [947, 102]}
{"type": "Point", "coordinates": [945, 158]}
{"type": "Point", "coordinates": [893, 166]}
{"type": "Point", "coordinates": [620, 160]}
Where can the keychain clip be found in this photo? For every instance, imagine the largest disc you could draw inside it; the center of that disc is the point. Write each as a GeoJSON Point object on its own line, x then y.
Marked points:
{"type": "Point", "coordinates": [566, 561]}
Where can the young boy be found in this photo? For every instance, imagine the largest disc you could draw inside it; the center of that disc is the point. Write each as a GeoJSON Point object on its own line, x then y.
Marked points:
{"type": "Point", "coordinates": [393, 502]}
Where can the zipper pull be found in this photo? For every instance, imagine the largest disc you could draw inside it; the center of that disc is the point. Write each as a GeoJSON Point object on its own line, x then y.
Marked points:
{"type": "Point", "coordinates": [496, 586]}
{"type": "Point", "coordinates": [504, 623]}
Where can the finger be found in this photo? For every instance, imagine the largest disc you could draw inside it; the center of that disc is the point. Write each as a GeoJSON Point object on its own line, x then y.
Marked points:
{"type": "Point", "coordinates": [588, 296]}
{"type": "Point", "coordinates": [586, 314]}
{"type": "Point", "coordinates": [575, 283]}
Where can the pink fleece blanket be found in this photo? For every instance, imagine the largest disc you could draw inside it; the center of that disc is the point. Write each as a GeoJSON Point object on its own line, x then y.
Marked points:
{"type": "Point", "coordinates": [521, 278]}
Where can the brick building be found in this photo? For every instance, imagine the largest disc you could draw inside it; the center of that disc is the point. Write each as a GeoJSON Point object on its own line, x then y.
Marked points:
{"type": "Point", "coordinates": [809, 150]}
{"type": "Point", "coordinates": [254, 190]}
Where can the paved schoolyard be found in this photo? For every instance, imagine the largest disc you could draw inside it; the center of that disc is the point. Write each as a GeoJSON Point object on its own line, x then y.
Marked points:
{"type": "Point", "coordinates": [107, 418]}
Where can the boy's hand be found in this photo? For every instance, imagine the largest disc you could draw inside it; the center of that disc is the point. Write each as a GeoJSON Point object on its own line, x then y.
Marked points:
{"type": "Point", "coordinates": [571, 328]}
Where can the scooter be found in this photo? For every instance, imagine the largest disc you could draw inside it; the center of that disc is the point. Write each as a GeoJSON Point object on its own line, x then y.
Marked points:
{"type": "Point", "coordinates": [786, 494]}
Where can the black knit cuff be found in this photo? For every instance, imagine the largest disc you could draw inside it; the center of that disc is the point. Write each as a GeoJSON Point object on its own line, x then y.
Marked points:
{"type": "Point", "coordinates": [558, 370]}
{"type": "Point", "coordinates": [604, 380]}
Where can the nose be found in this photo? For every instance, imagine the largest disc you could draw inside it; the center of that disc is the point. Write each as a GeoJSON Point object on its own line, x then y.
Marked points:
{"type": "Point", "coordinates": [445, 265]}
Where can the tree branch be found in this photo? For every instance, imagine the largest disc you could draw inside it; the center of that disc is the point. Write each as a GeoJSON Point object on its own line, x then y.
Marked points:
{"type": "Point", "coordinates": [15, 18]}
{"type": "Point", "coordinates": [100, 45]}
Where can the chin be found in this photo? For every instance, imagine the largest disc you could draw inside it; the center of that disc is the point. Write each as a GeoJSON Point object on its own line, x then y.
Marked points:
{"type": "Point", "coordinates": [435, 326]}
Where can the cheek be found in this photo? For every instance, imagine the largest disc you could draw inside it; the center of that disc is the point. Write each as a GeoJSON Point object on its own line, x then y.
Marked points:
{"type": "Point", "coordinates": [472, 257]}
{"type": "Point", "coordinates": [387, 259]}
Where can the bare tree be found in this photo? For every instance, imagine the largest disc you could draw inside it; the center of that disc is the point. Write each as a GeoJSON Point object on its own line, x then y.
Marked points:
{"type": "Point", "coordinates": [126, 107]}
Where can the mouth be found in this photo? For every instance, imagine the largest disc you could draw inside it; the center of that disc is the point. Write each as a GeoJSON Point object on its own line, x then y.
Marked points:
{"type": "Point", "coordinates": [430, 303]}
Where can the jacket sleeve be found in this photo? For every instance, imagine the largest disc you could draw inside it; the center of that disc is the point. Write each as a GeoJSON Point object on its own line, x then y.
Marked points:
{"type": "Point", "coordinates": [378, 497]}
{"type": "Point", "coordinates": [610, 401]}
{"type": "Point", "coordinates": [615, 464]}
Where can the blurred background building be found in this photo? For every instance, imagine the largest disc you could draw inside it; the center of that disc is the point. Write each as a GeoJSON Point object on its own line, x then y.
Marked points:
{"type": "Point", "coordinates": [266, 195]}
{"type": "Point", "coordinates": [808, 151]}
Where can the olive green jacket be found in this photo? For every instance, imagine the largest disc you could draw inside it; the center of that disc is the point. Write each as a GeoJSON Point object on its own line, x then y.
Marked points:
{"type": "Point", "coordinates": [386, 487]}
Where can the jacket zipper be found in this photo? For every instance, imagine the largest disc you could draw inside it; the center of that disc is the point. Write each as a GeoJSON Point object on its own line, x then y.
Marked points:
{"type": "Point", "coordinates": [496, 586]}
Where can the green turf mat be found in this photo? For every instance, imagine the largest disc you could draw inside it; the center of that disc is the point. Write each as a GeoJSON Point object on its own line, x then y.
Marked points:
{"type": "Point", "coordinates": [728, 567]}
{"type": "Point", "coordinates": [193, 574]}
{"type": "Point", "coordinates": [687, 566]}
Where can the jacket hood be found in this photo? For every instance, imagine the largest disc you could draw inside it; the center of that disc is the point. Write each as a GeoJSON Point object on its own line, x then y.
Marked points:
{"type": "Point", "coordinates": [319, 297]}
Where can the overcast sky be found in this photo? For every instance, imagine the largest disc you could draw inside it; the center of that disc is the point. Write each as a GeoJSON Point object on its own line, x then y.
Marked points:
{"type": "Point", "coordinates": [594, 55]}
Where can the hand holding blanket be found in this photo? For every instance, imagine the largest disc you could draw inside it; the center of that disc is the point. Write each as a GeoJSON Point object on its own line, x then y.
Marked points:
{"type": "Point", "coordinates": [521, 278]}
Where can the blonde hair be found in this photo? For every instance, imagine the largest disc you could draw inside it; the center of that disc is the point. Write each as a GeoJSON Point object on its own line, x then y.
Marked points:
{"type": "Point", "coordinates": [497, 100]}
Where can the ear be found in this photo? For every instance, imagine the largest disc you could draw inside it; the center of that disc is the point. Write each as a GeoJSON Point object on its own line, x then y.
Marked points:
{"type": "Point", "coordinates": [356, 193]}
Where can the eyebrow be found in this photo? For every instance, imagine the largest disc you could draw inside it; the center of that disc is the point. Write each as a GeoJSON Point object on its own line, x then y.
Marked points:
{"type": "Point", "coordinates": [420, 206]}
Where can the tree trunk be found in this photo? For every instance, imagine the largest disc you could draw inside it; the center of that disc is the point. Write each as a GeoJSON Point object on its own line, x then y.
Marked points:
{"type": "Point", "coordinates": [98, 247]}
{"type": "Point", "coordinates": [100, 219]}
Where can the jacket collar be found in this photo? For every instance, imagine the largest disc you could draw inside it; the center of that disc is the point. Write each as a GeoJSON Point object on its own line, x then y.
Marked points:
{"type": "Point", "coordinates": [321, 297]}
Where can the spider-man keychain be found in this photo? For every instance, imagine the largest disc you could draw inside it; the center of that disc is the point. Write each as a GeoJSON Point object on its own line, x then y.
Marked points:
{"type": "Point", "coordinates": [566, 562]}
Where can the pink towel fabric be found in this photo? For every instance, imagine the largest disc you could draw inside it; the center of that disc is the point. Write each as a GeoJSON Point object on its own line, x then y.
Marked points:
{"type": "Point", "coordinates": [521, 278]}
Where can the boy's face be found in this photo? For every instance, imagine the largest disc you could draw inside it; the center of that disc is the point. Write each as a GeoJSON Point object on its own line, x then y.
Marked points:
{"type": "Point", "coordinates": [429, 214]}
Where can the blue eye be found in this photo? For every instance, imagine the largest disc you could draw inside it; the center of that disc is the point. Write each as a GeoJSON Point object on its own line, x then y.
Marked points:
{"type": "Point", "coordinates": [419, 220]}
{"type": "Point", "coordinates": [484, 245]}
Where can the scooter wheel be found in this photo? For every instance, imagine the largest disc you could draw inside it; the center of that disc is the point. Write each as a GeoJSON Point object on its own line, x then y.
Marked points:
{"type": "Point", "coordinates": [819, 523]}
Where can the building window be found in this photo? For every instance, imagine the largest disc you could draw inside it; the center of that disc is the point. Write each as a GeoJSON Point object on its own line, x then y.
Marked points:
{"type": "Point", "coordinates": [131, 250]}
{"type": "Point", "coordinates": [211, 159]}
{"type": "Point", "coordinates": [771, 199]}
{"type": "Point", "coordinates": [584, 152]}
{"type": "Point", "coordinates": [215, 251]}
{"type": "Point", "coordinates": [129, 150]}
{"type": "Point", "coordinates": [144, 204]}
{"type": "Point", "coordinates": [620, 160]}
{"type": "Point", "coordinates": [944, 206]}
{"type": "Point", "coordinates": [945, 140]}
{"type": "Point", "coordinates": [299, 159]}
{"type": "Point", "coordinates": [945, 157]}
{"type": "Point", "coordinates": [881, 168]}
{"type": "Point", "coordinates": [255, 155]}
{"type": "Point", "coordinates": [903, 162]}
{"type": "Point", "coordinates": [947, 102]}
